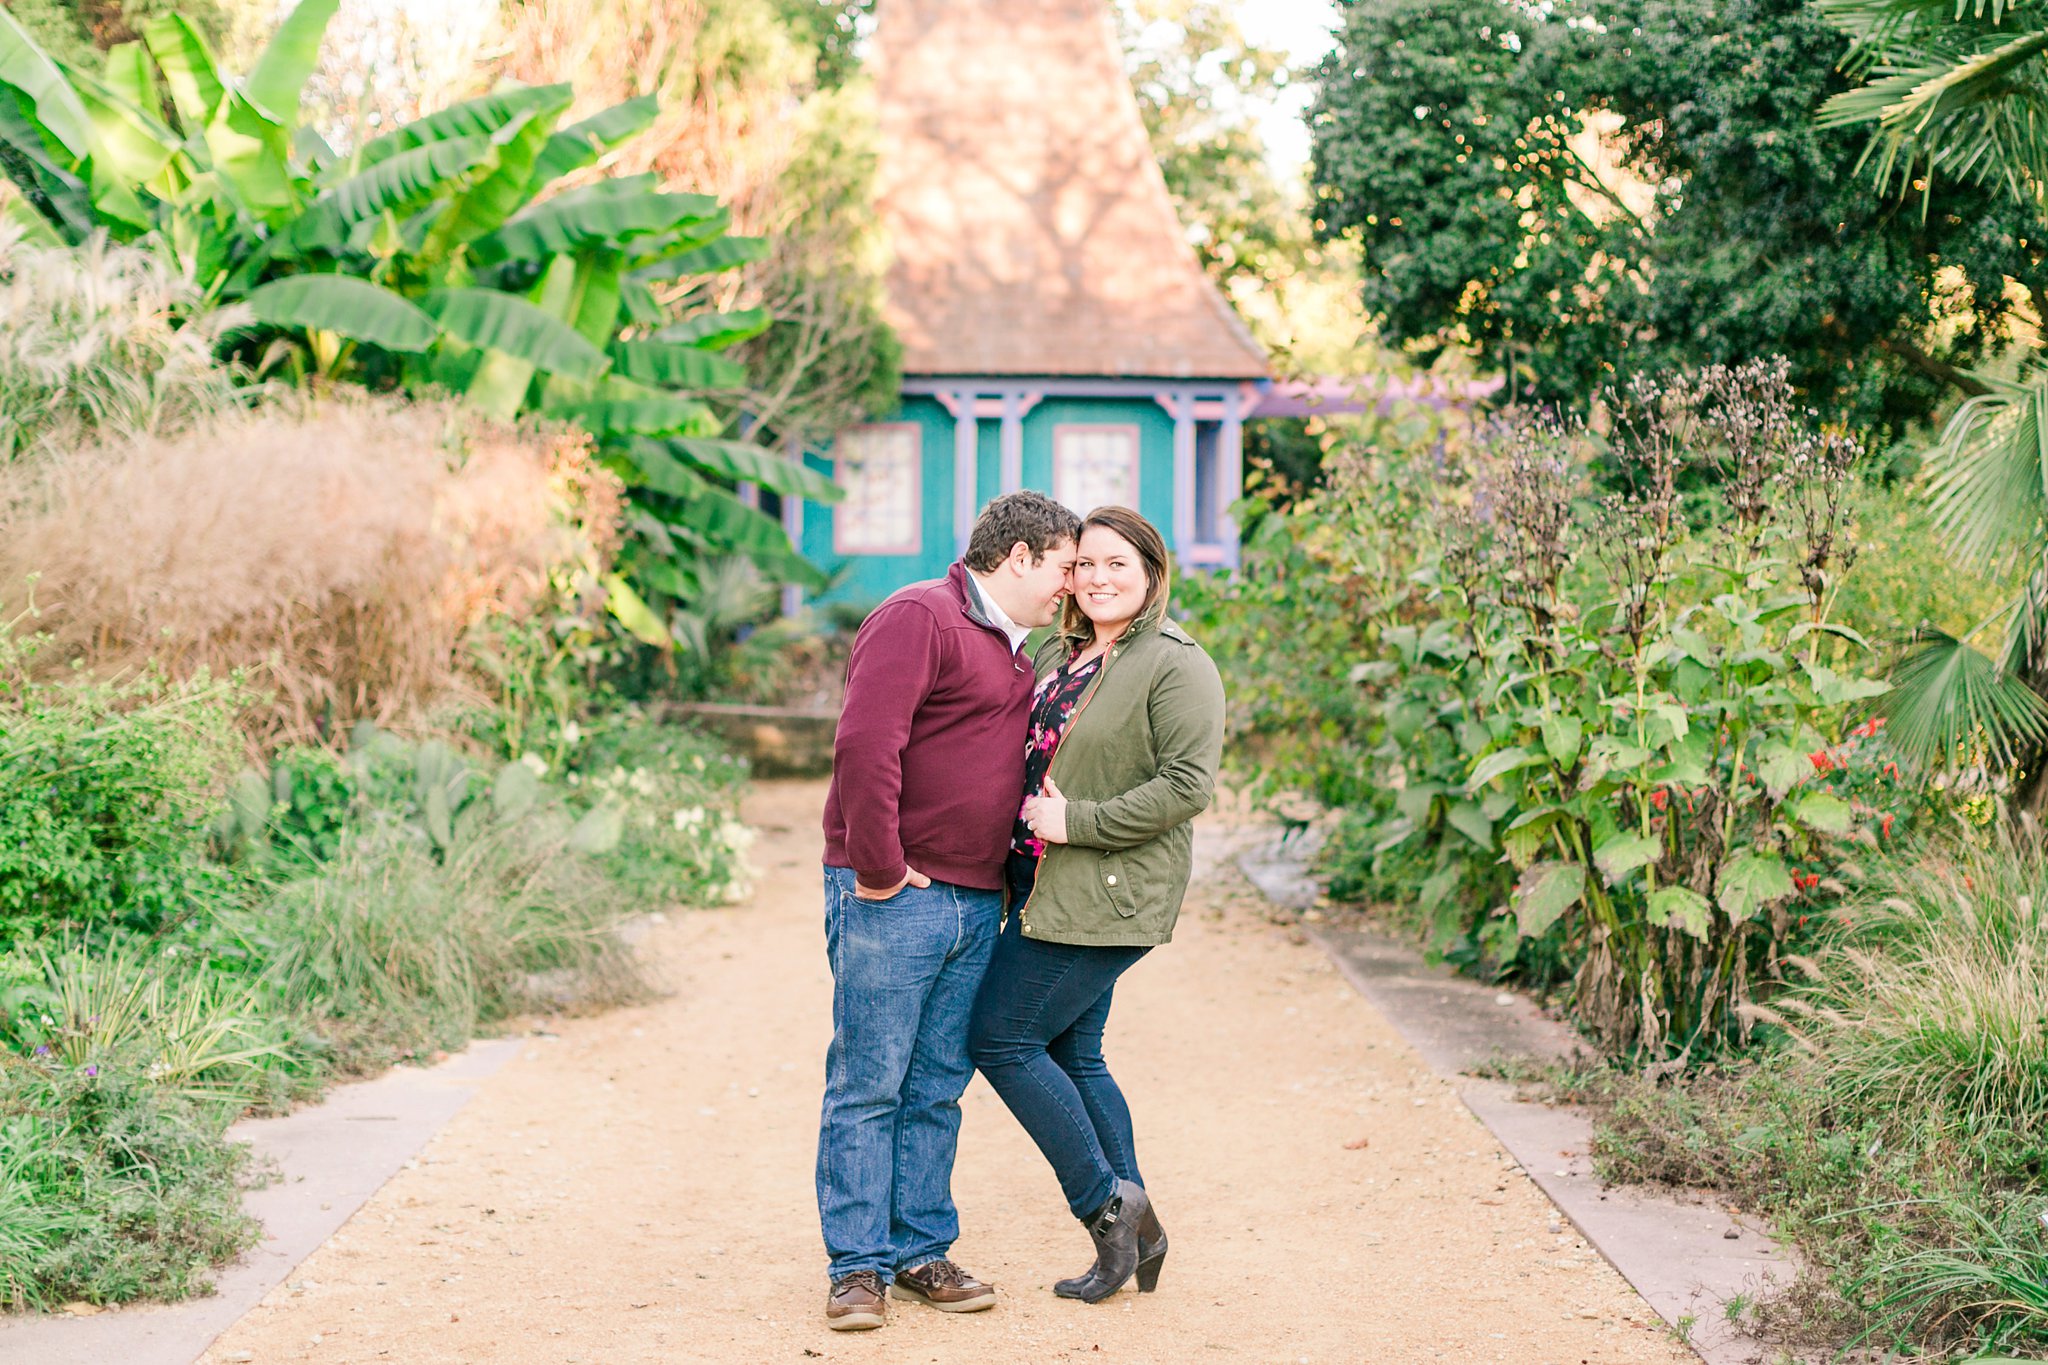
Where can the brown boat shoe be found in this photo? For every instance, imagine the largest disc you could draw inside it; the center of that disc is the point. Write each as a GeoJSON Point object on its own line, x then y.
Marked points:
{"type": "Point", "coordinates": [946, 1287]}
{"type": "Point", "coordinates": [857, 1302]}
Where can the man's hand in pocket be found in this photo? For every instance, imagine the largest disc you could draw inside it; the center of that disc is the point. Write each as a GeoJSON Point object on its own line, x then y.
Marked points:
{"type": "Point", "coordinates": [912, 877]}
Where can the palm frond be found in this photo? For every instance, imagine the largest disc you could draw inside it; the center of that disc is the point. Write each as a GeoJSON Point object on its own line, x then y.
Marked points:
{"type": "Point", "coordinates": [1948, 697]}
{"type": "Point", "coordinates": [1957, 90]}
{"type": "Point", "coordinates": [1988, 478]}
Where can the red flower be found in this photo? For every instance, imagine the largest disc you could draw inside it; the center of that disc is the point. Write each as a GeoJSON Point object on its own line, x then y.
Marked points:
{"type": "Point", "coordinates": [1891, 770]}
{"type": "Point", "coordinates": [1820, 760]}
{"type": "Point", "coordinates": [1885, 829]}
{"type": "Point", "coordinates": [1658, 798]}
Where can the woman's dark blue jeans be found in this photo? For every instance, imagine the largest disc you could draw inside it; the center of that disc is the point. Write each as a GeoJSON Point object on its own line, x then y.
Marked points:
{"type": "Point", "coordinates": [1037, 1036]}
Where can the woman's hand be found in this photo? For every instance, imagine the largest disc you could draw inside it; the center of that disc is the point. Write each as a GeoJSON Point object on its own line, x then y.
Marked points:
{"type": "Point", "coordinates": [1046, 814]}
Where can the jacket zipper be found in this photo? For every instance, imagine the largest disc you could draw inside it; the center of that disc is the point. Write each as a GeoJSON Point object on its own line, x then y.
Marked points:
{"type": "Point", "coordinates": [1024, 910]}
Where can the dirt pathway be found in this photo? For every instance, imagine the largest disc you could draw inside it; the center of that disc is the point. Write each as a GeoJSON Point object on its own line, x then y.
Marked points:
{"type": "Point", "coordinates": [637, 1187]}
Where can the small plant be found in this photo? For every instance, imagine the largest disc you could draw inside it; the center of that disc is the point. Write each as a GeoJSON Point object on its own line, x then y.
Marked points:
{"type": "Point", "coordinates": [112, 1188]}
{"type": "Point", "coordinates": [103, 792]}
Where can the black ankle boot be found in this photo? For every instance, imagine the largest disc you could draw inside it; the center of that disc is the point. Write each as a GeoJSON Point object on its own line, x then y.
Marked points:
{"type": "Point", "coordinates": [1114, 1230]}
{"type": "Point", "coordinates": [1151, 1250]}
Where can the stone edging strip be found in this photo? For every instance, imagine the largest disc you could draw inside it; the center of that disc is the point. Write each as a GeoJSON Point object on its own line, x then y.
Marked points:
{"type": "Point", "coordinates": [330, 1158]}
{"type": "Point", "coordinates": [1688, 1257]}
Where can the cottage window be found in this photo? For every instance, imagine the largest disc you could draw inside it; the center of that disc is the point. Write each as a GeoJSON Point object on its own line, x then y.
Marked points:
{"type": "Point", "coordinates": [881, 468]}
{"type": "Point", "coordinates": [1093, 466]}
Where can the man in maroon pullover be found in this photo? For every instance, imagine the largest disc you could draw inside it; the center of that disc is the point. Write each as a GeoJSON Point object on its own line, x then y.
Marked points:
{"type": "Point", "coordinates": [927, 776]}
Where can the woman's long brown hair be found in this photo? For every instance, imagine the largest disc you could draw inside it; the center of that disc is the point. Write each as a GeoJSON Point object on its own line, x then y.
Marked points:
{"type": "Point", "coordinates": [1144, 537]}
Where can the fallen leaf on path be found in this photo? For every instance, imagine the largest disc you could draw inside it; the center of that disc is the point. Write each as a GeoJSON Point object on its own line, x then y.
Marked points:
{"type": "Point", "coordinates": [1356, 1144]}
{"type": "Point", "coordinates": [81, 1309]}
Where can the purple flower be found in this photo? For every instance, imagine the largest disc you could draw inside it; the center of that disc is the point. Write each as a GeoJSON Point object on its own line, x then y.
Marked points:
{"type": "Point", "coordinates": [92, 1071]}
{"type": "Point", "coordinates": [42, 1049]}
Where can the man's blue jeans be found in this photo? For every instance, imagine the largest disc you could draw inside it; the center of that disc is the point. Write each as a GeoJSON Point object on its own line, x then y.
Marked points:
{"type": "Point", "coordinates": [905, 972]}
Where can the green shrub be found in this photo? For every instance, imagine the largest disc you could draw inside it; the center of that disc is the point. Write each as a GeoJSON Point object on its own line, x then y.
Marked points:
{"type": "Point", "coordinates": [681, 841]}
{"type": "Point", "coordinates": [105, 790]}
{"type": "Point", "coordinates": [112, 1187]}
{"type": "Point", "coordinates": [1588, 734]}
{"type": "Point", "coordinates": [391, 951]}
{"type": "Point", "coordinates": [1898, 1134]}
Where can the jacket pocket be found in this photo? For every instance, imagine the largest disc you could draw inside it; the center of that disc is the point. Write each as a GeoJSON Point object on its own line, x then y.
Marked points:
{"type": "Point", "coordinates": [1116, 883]}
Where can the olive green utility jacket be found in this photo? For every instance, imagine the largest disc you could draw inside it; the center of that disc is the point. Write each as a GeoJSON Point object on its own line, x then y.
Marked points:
{"type": "Point", "coordinates": [1137, 765]}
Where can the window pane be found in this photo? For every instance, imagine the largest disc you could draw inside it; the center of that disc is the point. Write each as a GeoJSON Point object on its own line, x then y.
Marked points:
{"type": "Point", "coordinates": [880, 468]}
{"type": "Point", "coordinates": [1093, 466]}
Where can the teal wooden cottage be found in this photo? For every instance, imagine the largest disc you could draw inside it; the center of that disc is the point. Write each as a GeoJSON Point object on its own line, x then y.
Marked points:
{"type": "Point", "coordinates": [1058, 331]}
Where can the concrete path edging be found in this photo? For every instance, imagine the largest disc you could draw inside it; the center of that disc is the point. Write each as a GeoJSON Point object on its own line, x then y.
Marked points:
{"type": "Point", "coordinates": [329, 1159]}
{"type": "Point", "coordinates": [1687, 1256]}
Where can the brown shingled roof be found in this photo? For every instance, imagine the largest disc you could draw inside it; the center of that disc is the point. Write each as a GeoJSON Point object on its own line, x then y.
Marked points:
{"type": "Point", "coordinates": [1032, 229]}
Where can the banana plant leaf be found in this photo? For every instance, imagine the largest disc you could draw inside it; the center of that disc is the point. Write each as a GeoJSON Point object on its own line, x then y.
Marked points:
{"type": "Point", "coordinates": [570, 222]}
{"type": "Point", "coordinates": [638, 304]}
{"type": "Point", "coordinates": [45, 96]}
{"type": "Point", "coordinates": [580, 144]}
{"type": "Point", "coordinates": [485, 115]}
{"type": "Point", "coordinates": [669, 366]}
{"type": "Point", "coordinates": [715, 331]}
{"type": "Point", "coordinates": [397, 185]}
{"type": "Point", "coordinates": [659, 415]}
{"type": "Point", "coordinates": [723, 520]}
{"type": "Point", "coordinates": [727, 253]}
{"type": "Point", "coordinates": [633, 612]}
{"type": "Point", "coordinates": [128, 146]}
{"type": "Point", "coordinates": [484, 206]}
{"type": "Point", "coordinates": [521, 330]}
{"type": "Point", "coordinates": [743, 462]}
{"type": "Point", "coordinates": [251, 150]}
{"type": "Point", "coordinates": [189, 68]}
{"type": "Point", "coordinates": [345, 305]}
{"type": "Point", "coordinates": [58, 200]}
{"type": "Point", "coordinates": [646, 464]}
{"type": "Point", "coordinates": [128, 74]}
{"type": "Point", "coordinates": [279, 76]}
{"type": "Point", "coordinates": [718, 518]}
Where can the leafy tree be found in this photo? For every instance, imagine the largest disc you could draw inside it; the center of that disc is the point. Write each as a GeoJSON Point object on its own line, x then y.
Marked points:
{"type": "Point", "coordinates": [1200, 84]}
{"type": "Point", "coordinates": [426, 256]}
{"type": "Point", "coordinates": [750, 115]}
{"type": "Point", "coordinates": [1601, 187]}
{"type": "Point", "coordinates": [1957, 93]}
{"type": "Point", "coordinates": [834, 29]}
{"type": "Point", "coordinates": [76, 31]}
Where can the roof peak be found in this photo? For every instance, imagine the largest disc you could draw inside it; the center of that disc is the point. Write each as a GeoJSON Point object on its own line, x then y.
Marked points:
{"type": "Point", "coordinates": [1032, 228]}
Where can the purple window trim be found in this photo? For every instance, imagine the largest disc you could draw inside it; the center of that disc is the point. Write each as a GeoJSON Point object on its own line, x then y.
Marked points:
{"type": "Point", "coordinates": [915, 545]}
{"type": "Point", "coordinates": [1129, 429]}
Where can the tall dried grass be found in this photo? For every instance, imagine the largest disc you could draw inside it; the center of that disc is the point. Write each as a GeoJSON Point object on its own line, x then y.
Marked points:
{"type": "Point", "coordinates": [103, 339]}
{"type": "Point", "coordinates": [338, 548]}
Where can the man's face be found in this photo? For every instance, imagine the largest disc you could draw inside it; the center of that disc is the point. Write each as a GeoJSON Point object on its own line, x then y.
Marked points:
{"type": "Point", "coordinates": [1039, 588]}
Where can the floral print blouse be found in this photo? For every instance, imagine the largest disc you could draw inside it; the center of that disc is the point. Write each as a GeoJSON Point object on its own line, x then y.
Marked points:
{"type": "Point", "coordinates": [1051, 710]}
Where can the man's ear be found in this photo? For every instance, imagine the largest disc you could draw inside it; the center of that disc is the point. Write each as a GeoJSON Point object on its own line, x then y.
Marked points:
{"type": "Point", "coordinates": [1019, 558]}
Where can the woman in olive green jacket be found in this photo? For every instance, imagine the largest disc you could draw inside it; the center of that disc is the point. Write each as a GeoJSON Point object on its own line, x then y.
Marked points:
{"type": "Point", "coordinates": [1126, 732]}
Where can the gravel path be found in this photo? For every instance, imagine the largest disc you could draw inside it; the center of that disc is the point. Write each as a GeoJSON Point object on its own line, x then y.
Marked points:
{"type": "Point", "coordinates": [637, 1187]}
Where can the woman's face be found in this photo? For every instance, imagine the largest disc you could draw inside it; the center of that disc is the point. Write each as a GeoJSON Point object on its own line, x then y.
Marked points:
{"type": "Point", "coordinates": [1109, 578]}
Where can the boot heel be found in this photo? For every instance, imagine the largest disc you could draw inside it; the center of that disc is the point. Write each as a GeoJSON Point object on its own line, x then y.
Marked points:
{"type": "Point", "coordinates": [1148, 1273]}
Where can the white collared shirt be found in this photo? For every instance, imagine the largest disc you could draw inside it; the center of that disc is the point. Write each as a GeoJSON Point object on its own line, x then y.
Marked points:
{"type": "Point", "coordinates": [997, 617]}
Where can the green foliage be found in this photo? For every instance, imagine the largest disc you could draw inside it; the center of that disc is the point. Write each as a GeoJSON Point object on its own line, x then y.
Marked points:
{"type": "Point", "coordinates": [835, 28]}
{"type": "Point", "coordinates": [1597, 737]}
{"type": "Point", "coordinates": [1954, 90]}
{"type": "Point", "coordinates": [681, 841]}
{"type": "Point", "coordinates": [432, 255]}
{"type": "Point", "coordinates": [1897, 1135]}
{"type": "Point", "coordinates": [112, 1187]}
{"type": "Point", "coordinates": [1453, 145]}
{"type": "Point", "coordinates": [104, 791]}
{"type": "Point", "coordinates": [1956, 95]}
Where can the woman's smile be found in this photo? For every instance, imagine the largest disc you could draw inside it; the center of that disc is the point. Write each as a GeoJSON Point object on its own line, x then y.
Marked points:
{"type": "Point", "coordinates": [1109, 577]}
